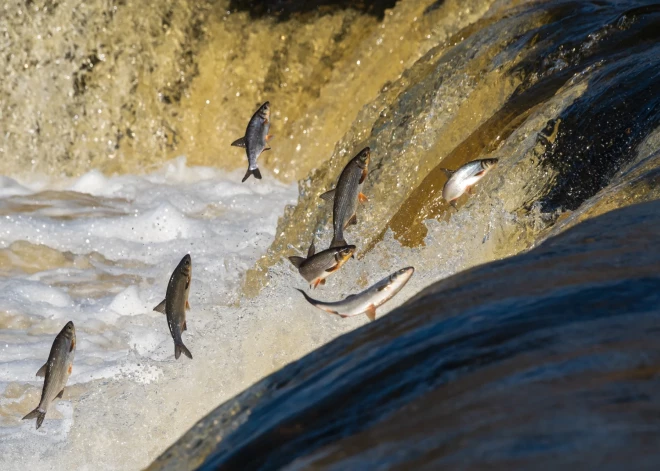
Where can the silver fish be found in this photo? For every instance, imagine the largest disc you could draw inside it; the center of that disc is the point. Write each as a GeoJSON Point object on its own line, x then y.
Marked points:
{"type": "Point", "coordinates": [256, 139]}
{"type": "Point", "coordinates": [368, 300]}
{"type": "Point", "coordinates": [318, 266]}
{"type": "Point", "coordinates": [461, 180]}
{"type": "Point", "coordinates": [346, 195]}
{"type": "Point", "coordinates": [56, 371]}
{"type": "Point", "coordinates": [176, 302]}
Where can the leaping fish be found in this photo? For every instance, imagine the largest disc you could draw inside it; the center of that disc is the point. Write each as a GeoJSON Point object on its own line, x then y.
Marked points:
{"type": "Point", "coordinates": [256, 139]}
{"type": "Point", "coordinates": [56, 371]}
{"type": "Point", "coordinates": [368, 300]}
{"type": "Point", "coordinates": [176, 302]}
{"type": "Point", "coordinates": [461, 180]}
{"type": "Point", "coordinates": [318, 266]}
{"type": "Point", "coordinates": [345, 196]}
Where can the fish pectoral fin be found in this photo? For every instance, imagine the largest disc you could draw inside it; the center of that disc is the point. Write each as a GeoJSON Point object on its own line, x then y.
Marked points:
{"type": "Point", "coordinates": [269, 137]}
{"type": "Point", "coordinates": [364, 175]}
{"type": "Point", "coordinates": [73, 345]}
{"type": "Point", "coordinates": [480, 174]}
{"type": "Point", "coordinates": [315, 283]}
{"type": "Point", "coordinates": [266, 148]}
{"type": "Point", "coordinates": [185, 326]}
{"type": "Point", "coordinates": [239, 142]}
{"type": "Point", "coordinates": [362, 197]}
{"type": "Point", "coordinates": [371, 312]}
{"type": "Point", "coordinates": [160, 307]}
{"type": "Point", "coordinates": [448, 173]}
{"type": "Point", "coordinates": [187, 304]}
{"type": "Point", "coordinates": [323, 281]}
{"type": "Point", "coordinates": [469, 190]}
{"type": "Point", "coordinates": [328, 195]}
{"type": "Point", "coordinates": [332, 268]}
{"type": "Point", "coordinates": [42, 370]}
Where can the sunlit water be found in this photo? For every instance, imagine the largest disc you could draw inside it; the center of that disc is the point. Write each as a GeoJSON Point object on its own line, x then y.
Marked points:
{"type": "Point", "coordinates": [564, 93]}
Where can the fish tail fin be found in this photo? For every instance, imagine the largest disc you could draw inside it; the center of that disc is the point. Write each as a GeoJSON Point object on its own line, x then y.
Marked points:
{"type": "Point", "coordinates": [181, 348]}
{"type": "Point", "coordinates": [296, 261]}
{"type": "Point", "coordinates": [255, 172]}
{"type": "Point", "coordinates": [38, 414]}
{"type": "Point", "coordinates": [338, 241]}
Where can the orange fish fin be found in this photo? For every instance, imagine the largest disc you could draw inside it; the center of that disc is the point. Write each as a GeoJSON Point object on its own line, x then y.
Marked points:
{"type": "Point", "coordinates": [332, 269]}
{"type": "Point", "coordinates": [70, 368]}
{"type": "Point", "coordinates": [363, 198]}
{"type": "Point", "coordinates": [187, 304]}
{"type": "Point", "coordinates": [364, 175]}
{"type": "Point", "coordinates": [315, 283]}
{"type": "Point", "coordinates": [269, 137]}
{"type": "Point", "coordinates": [73, 345]}
{"type": "Point", "coordinates": [480, 173]}
{"type": "Point", "coordinates": [323, 281]}
{"type": "Point", "coordinates": [371, 312]}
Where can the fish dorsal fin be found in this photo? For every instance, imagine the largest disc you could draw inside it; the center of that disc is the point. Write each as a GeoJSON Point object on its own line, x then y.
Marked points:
{"type": "Point", "coordinates": [371, 312]}
{"type": "Point", "coordinates": [160, 307]}
{"type": "Point", "coordinates": [328, 195]}
{"type": "Point", "coordinates": [448, 173]}
{"type": "Point", "coordinates": [239, 142]}
{"type": "Point", "coordinates": [42, 370]}
{"type": "Point", "coordinates": [296, 261]}
{"type": "Point", "coordinates": [311, 250]}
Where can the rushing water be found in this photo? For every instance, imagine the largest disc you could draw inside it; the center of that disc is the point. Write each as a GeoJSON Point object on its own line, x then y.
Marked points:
{"type": "Point", "coordinates": [535, 361]}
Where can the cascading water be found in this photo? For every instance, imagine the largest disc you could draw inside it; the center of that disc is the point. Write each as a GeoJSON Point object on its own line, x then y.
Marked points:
{"type": "Point", "coordinates": [566, 94]}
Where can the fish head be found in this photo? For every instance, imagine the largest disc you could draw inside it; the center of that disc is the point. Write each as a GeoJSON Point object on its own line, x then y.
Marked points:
{"type": "Point", "coordinates": [185, 266]}
{"type": "Point", "coordinates": [264, 112]}
{"type": "Point", "coordinates": [69, 333]}
{"type": "Point", "coordinates": [344, 253]}
{"type": "Point", "coordinates": [362, 159]}
{"type": "Point", "coordinates": [486, 164]}
{"type": "Point", "coordinates": [402, 275]}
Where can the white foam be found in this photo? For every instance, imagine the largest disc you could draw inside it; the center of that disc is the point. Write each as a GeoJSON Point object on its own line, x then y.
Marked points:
{"type": "Point", "coordinates": [118, 238]}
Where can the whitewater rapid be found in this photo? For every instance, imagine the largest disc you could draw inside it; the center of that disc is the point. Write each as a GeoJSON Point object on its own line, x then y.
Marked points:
{"type": "Point", "coordinates": [99, 251]}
